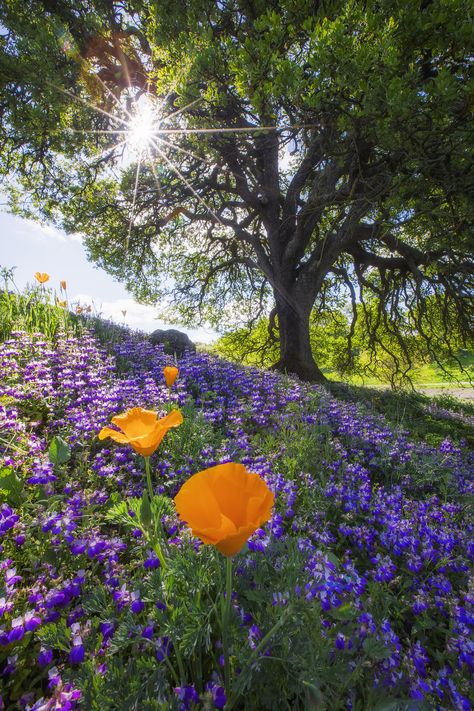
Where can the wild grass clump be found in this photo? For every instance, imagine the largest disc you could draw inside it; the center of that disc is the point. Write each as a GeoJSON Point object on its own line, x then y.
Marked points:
{"type": "Point", "coordinates": [35, 310]}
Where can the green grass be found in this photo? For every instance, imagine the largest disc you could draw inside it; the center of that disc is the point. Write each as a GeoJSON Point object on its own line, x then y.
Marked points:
{"type": "Point", "coordinates": [35, 311]}
{"type": "Point", "coordinates": [423, 376]}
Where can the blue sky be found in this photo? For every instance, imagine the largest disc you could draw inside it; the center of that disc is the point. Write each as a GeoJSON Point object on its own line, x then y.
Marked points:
{"type": "Point", "coordinates": [32, 247]}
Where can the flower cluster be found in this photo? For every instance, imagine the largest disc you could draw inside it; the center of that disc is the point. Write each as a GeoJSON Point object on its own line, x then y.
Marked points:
{"type": "Point", "coordinates": [369, 531]}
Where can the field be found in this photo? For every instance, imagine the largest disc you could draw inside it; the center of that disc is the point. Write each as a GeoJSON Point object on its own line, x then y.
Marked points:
{"type": "Point", "coordinates": [429, 379]}
{"type": "Point", "coordinates": [357, 594]}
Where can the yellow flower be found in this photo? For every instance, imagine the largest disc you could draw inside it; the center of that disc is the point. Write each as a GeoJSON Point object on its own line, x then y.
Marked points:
{"type": "Point", "coordinates": [170, 373]}
{"type": "Point", "coordinates": [141, 429]}
{"type": "Point", "coordinates": [224, 505]}
{"type": "Point", "coordinates": [61, 304]}
{"type": "Point", "coordinates": [42, 277]}
{"type": "Point", "coordinates": [63, 285]}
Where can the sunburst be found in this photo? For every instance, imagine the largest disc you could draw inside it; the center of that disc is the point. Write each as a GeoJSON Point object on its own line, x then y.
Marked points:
{"type": "Point", "coordinates": [141, 126]}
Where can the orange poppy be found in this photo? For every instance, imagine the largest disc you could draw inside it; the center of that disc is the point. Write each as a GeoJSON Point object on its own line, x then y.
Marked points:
{"type": "Point", "coordinates": [141, 429]}
{"type": "Point", "coordinates": [224, 505]}
{"type": "Point", "coordinates": [42, 277]}
{"type": "Point", "coordinates": [170, 373]}
{"type": "Point", "coordinates": [63, 285]}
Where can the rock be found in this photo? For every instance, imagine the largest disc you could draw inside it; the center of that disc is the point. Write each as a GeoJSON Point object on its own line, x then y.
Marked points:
{"type": "Point", "coordinates": [174, 341]}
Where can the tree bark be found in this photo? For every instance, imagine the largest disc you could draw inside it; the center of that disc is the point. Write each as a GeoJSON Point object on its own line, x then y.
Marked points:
{"type": "Point", "coordinates": [295, 347]}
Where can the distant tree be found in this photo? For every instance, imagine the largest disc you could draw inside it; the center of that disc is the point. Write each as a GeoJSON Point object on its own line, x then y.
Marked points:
{"type": "Point", "coordinates": [348, 167]}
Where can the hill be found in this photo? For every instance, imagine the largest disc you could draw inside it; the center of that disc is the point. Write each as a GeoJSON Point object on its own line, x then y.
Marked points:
{"type": "Point", "coordinates": [357, 593]}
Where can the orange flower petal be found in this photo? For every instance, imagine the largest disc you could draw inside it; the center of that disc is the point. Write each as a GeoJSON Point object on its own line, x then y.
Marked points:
{"type": "Point", "coordinates": [259, 508]}
{"type": "Point", "coordinates": [42, 277]}
{"type": "Point", "coordinates": [224, 505]}
{"type": "Point", "coordinates": [170, 373]}
{"type": "Point", "coordinates": [173, 419]}
{"type": "Point", "coordinates": [141, 429]}
{"type": "Point", "coordinates": [229, 484]}
{"type": "Point", "coordinates": [197, 505]}
{"type": "Point", "coordinates": [135, 422]}
{"type": "Point", "coordinates": [117, 436]}
{"type": "Point", "coordinates": [233, 544]}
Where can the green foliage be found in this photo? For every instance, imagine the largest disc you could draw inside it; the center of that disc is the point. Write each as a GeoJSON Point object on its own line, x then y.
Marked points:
{"type": "Point", "coordinates": [10, 487]}
{"type": "Point", "coordinates": [59, 451]}
{"type": "Point", "coordinates": [361, 358]}
{"type": "Point", "coordinates": [33, 312]}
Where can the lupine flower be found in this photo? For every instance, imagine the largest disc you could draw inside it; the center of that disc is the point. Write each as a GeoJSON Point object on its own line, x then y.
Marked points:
{"type": "Point", "coordinates": [42, 277]}
{"type": "Point", "coordinates": [141, 429]}
{"type": "Point", "coordinates": [77, 653]}
{"type": "Point", "coordinates": [45, 657]}
{"type": "Point", "coordinates": [137, 605]}
{"type": "Point", "coordinates": [224, 505]}
{"type": "Point", "coordinates": [170, 373]}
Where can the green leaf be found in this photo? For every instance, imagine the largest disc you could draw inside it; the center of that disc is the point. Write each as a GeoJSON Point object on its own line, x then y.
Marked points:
{"type": "Point", "coordinates": [145, 511]}
{"type": "Point", "coordinates": [59, 451]}
{"type": "Point", "coordinates": [119, 513]}
{"type": "Point", "coordinates": [10, 486]}
{"type": "Point", "coordinates": [55, 635]}
{"type": "Point", "coordinates": [343, 613]}
{"type": "Point", "coordinates": [375, 649]}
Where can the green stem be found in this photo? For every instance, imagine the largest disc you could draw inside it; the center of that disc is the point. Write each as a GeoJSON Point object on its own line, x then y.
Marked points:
{"type": "Point", "coordinates": [148, 478]}
{"type": "Point", "coordinates": [226, 623]}
{"type": "Point", "coordinates": [261, 645]}
{"type": "Point", "coordinates": [180, 663]}
{"type": "Point", "coordinates": [156, 542]}
{"type": "Point", "coordinates": [159, 552]}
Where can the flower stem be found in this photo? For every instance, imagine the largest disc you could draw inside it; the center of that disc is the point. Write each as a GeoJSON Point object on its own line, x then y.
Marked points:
{"type": "Point", "coordinates": [261, 645]}
{"type": "Point", "coordinates": [226, 623]}
{"type": "Point", "coordinates": [158, 537]}
{"type": "Point", "coordinates": [148, 478]}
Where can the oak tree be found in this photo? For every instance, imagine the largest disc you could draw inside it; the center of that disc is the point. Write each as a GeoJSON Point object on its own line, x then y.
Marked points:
{"type": "Point", "coordinates": [302, 153]}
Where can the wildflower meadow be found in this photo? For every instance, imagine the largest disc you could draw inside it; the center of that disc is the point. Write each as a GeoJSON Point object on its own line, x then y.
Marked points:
{"type": "Point", "coordinates": [195, 534]}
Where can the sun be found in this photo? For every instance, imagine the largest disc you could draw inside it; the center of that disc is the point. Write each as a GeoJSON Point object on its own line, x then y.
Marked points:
{"type": "Point", "coordinates": [142, 125]}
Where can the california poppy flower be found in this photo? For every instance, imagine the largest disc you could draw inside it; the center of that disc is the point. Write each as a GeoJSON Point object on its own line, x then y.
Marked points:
{"type": "Point", "coordinates": [63, 285]}
{"type": "Point", "coordinates": [224, 505]}
{"type": "Point", "coordinates": [170, 373]}
{"type": "Point", "coordinates": [42, 277]}
{"type": "Point", "coordinates": [141, 429]}
{"type": "Point", "coordinates": [61, 304]}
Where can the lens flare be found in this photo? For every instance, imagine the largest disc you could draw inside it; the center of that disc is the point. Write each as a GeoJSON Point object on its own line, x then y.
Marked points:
{"type": "Point", "coordinates": [142, 125]}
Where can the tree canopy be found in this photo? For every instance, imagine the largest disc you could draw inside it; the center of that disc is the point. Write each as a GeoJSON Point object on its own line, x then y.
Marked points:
{"type": "Point", "coordinates": [304, 154]}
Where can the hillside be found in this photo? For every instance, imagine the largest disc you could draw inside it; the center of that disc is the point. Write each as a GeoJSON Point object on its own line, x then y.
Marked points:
{"type": "Point", "coordinates": [357, 594]}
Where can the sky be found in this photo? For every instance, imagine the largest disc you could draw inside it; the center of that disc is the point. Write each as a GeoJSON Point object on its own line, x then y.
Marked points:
{"type": "Point", "coordinates": [32, 247]}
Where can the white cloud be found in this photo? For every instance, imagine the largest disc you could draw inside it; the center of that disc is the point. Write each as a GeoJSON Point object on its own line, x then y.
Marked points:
{"type": "Point", "coordinates": [44, 231]}
{"type": "Point", "coordinates": [49, 232]}
{"type": "Point", "coordinates": [139, 316]}
{"type": "Point", "coordinates": [76, 237]}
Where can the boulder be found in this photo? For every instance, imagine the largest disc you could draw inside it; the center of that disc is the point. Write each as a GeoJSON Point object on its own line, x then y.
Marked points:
{"type": "Point", "coordinates": [174, 341]}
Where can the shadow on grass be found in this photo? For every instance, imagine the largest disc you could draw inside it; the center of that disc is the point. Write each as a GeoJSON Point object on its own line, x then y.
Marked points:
{"type": "Point", "coordinates": [431, 419]}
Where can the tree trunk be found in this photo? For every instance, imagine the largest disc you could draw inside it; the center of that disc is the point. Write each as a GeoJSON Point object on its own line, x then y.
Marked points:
{"type": "Point", "coordinates": [295, 347]}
